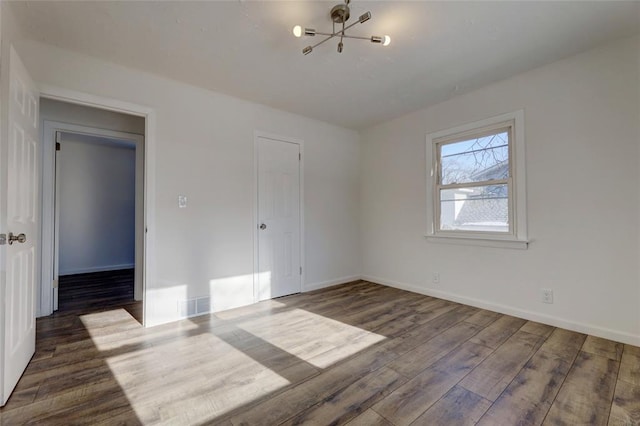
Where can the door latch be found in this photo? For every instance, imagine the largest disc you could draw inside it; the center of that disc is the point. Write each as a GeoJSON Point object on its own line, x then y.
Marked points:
{"type": "Point", "coordinates": [3, 239]}
{"type": "Point", "coordinates": [21, 238]}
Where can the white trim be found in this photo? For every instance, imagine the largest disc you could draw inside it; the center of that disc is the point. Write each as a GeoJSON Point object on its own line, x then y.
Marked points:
{"type": "Point", "coordinates": [260, 134]}
{"type": "Point", "coordinates": [606, 333]}
{"type": "Point", "coordinates": [91, 100]}
{"type": "Point", "coordinates": [105, 268]}
{"type": "Point", "coordinates": [47, 227]}
{"type": "Point", "coordinates": [80, 98]}
{"type": "Point", "coordinates": [331, 283]}
{"type": "Point", "coordinates": [517, 238]}
{"type": "Point", "coordinates": [479, 242]}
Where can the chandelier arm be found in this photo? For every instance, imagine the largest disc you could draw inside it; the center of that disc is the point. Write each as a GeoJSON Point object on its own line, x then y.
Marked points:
{"type": "Point", "coordinates": [358, 37]}
{"type": "Point", "coordinates": [347, 27]}
{"type": "Point", "coordinates": [337, 33]}
{"type": "Point", "coordinates": [344, 35]}
{"type": "Point", "coordinates": [322, 41]}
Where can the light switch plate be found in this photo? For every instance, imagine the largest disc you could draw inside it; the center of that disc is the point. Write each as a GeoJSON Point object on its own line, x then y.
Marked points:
{"type": "Point", "coordinates": [182, 201]}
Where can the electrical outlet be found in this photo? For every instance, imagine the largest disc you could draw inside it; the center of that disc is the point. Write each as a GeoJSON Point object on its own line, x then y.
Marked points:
{"type": "Point", "coordinates": [547, 295]}
{"type": "Point", "coordinates": [436, 278]}
{"type": "Point", "coordinates": [182, 201]}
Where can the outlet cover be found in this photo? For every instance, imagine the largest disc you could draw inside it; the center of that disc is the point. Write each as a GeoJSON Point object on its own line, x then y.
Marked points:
{"type": "Point", "coordinates": [547, 295]}
{"type": "Point", "coordinates": [436, 277]}
{"type": "Point", "coordinates": [182, 201]}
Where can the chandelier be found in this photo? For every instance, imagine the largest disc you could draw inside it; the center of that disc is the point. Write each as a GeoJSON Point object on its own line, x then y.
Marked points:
{"type": "Point", "coordinates": [340, 15]}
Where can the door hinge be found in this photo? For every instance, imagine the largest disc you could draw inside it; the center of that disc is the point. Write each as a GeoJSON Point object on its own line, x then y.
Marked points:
{"type": "Point", "coordinates": [301, 270]}
{"type": "Point", "coordinates": [54, 284]}
{"type": "Point", "coordinates": [3, 239]}
{"type": "Point", "coordinates": [299, 156]}
{"type": "Point", "coordinates": [58, 146]}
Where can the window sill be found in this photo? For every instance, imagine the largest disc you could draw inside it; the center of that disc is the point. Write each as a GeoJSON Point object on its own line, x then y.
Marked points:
{"type": "Point", "coordinates": [480, 242]}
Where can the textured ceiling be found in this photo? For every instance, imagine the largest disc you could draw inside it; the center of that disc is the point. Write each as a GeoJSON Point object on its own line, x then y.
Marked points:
{"type": "Point", "coordinates": [246, 49]}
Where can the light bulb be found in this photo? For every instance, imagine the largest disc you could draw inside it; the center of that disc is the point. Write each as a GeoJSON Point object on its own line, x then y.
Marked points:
{"type": "Point", "coordinates": [297, 31]}
{"type": "Point", "coordinates": [387, 40]}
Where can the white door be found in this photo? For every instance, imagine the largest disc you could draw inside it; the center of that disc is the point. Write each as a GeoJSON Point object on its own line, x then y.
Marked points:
{"type": "Point", "coordinates": [279, 267]}
{"type": "Point", "coordinates": [19, 200]}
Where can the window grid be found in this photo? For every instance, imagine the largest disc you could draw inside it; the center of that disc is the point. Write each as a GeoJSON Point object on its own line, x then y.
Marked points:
{"type": "Point", "coordinates": [476, 134]}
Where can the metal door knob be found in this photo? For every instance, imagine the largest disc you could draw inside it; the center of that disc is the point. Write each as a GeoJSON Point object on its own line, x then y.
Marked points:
{"type": "Point", "coordinates": [21, 238]}
{"type": "Point", "coordinates": [263, 226]}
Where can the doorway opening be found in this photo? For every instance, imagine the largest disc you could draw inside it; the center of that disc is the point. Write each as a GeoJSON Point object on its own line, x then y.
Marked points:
{"type": "Point", "coordinates": [93, 209]}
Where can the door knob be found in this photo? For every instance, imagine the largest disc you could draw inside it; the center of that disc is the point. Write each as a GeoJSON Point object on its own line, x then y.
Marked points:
{"type": "Point", "coordinates": [21, 238]}
{"type": "Point", "coordinates": [263, 226]}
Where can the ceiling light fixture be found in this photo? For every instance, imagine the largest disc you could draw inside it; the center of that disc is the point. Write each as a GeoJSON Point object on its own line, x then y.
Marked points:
{"type": "Point", "coordinates": [339, 14]}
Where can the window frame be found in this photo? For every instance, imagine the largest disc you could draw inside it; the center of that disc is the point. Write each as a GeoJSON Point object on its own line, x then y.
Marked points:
{"type": "Point", "coordinates": [516, 186]}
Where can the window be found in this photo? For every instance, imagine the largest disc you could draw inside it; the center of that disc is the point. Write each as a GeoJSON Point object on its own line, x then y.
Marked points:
{"type": "Point", "coordinates": [476, 188]}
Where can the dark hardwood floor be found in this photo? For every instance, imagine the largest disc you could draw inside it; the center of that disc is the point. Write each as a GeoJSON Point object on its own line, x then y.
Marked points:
{"type": "Point", "coordinates": [361, 354]}
{"type": "Point", "coordinates": [96, 290]}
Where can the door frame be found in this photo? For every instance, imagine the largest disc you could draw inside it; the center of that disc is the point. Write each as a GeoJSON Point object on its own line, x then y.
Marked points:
{"type": "Point", "coordinates": [256, 135]}
{"type": "Point", "coordinates": [149, 114]}
{"type": "Point", "coordinates": [50, 206]}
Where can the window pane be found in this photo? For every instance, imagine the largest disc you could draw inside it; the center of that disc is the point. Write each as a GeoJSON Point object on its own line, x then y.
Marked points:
{"type": "Point", "coordinates": [475, 160]}
{"type": "Point", "coordinates": [481, 208]}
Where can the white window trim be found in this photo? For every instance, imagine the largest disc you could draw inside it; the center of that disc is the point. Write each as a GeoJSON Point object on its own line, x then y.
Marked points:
{"type": "Point", "coordinates": [518, 238]}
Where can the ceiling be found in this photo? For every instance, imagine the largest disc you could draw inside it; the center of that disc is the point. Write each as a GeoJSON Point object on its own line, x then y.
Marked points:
{"type": "Point", "coordinates": [246, 48]}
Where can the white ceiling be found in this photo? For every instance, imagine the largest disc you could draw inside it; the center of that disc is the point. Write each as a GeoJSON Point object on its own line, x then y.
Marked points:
{"type": "Point", "coordinates": [246, 49]}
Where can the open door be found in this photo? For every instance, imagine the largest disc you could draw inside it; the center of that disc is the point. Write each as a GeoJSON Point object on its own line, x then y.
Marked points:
{"type": "Point", "coordinates": [19, 216]}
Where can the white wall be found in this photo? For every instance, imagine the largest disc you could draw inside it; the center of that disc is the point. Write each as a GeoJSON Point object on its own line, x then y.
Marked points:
{"type": "Point", "coordinates": [97, 205]}
{"type": "Point", "coordinates": [204, 149]}
{"type": "Point", "coordinates": [582, 135]}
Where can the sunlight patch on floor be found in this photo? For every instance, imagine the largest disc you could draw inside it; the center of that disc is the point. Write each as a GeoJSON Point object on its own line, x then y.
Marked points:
{"type": "Point", "coordinates": [191, 380]}
{"type": "Point", "coordinates": [252, 310]}
{"type": "Point", "coordinates": [111, 318]}
{"type": "Point", "coordinates": [316, 339]}
{"type": "Point", "coordinates": [110, 330]}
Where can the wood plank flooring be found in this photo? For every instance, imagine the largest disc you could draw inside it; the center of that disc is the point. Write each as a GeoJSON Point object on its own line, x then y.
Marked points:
{"type": "Point", "coordinates": [357, 354]}
{"type": "Point", "coordinates": [95, 290]}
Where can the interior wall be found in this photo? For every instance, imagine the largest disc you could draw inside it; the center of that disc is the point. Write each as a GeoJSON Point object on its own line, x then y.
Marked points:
{"type": "Point", "coordinates": [66, 112]}
{"type": "Point", "coordinates": [204, 149]}
{"type": "Point", "coordinates": [96, 205]}
{"type": "Point", "coordinates": [582, 136]}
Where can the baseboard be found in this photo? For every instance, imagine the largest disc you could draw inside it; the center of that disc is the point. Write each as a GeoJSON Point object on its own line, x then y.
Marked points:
{"type": "Point", "coordinates": [97, 269]}
{"type": "Point", "coordinates": [606, 333]}
{"type": "Point", "coordinates": [330, 283]}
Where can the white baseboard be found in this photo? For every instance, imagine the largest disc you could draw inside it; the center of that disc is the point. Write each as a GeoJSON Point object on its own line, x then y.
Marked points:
{"type": "Point", "coordinates": [97, 269]}
{"type": "Point", "coordinates": [325, 284]}
{"type": "Point", "coordinates": [579, 327]}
